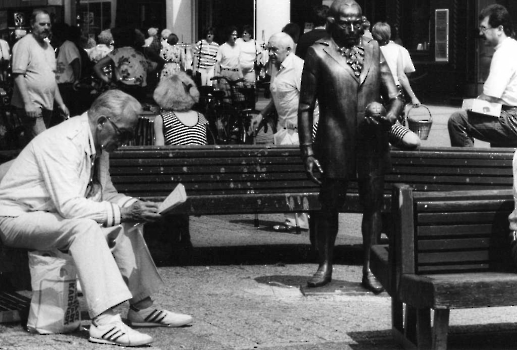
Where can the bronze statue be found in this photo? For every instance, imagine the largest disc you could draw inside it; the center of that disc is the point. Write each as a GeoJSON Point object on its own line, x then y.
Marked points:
{"type": "Point", "coordinates": [344, 73]}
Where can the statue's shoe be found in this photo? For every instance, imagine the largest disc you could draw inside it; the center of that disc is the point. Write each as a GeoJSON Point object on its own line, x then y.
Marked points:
{"type": "Point", "coordinates": [320, 278]}
{"type": "Point", "coordinates": [371, 283]}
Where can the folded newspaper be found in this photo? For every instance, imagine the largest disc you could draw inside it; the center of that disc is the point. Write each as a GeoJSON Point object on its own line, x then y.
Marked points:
{"type": "Point", "coordinates": [482, 107]}
{"type": "Point", "coordinates": [175, 198]}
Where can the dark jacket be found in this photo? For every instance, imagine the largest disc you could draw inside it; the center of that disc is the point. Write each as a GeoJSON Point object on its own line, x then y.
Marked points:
{"type": "Point", "coordinates": [307, 40]}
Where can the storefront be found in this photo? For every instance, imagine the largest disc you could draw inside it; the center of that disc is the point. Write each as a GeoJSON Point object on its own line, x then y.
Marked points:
{"type": "Point", "coordinates": [15, 16]}
{"type": "Point", "coordinates": [443, 39]}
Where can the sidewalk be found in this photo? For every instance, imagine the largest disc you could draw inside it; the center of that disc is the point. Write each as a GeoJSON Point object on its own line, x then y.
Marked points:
{"type": "Point", "coordinates": [244, 287]}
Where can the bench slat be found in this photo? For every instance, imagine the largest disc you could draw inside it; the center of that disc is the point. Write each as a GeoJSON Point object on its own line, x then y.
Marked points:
{"type": "Point", "coordinates": [451, 257]}
{"type": "Point", "coordinates": [459, 217]}
{"type": "Point", "coordinates": [151, 171]}
{"type": "Point", "coordinates": [455, 230]}
{"type": "Point", "coordinates": [217, 188]}
{"type": "Point", "coordinates": [448, 244]}
{"type": "Point", "coordinates": [459, 290]}
{"type": "Point", "coordinates": [467, 268]}
{"type": "Point", "coordinates": [455, 170]}
{"type": "Point", "coordinates": [223, 179]}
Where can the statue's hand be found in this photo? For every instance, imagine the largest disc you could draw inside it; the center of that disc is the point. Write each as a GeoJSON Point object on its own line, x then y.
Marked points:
{"type": "Point", "coordinates": [310, 162]}
{"type": "Point", "coordinates": [376, 118]}
{"type": "Point", "coordinates": [379, 121]}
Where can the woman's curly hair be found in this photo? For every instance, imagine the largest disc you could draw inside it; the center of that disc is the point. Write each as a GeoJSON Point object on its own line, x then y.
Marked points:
{"type": "Point", "coordinates": [176, 92]}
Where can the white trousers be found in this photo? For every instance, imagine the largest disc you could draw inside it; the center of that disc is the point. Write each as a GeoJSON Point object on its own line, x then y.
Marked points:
{"type": "Point", "coordinates": [113, 264]}
{"type": "Point", "coordinates": [290, 137]}
{"type": "Point", "coordinates": [206, 75]}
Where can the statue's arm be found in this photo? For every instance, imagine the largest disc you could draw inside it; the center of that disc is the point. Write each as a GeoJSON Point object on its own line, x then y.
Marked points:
{"type": "Point", "coordinates": [308, 95]}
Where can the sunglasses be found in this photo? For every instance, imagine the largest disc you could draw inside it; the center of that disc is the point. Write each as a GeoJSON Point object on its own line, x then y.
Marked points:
{"type": "Point", "coordinates": [122, 135]}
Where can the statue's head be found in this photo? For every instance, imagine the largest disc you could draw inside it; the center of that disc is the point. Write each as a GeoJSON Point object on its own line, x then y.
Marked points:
{"type": "Point", "coordinates": [345, 22]}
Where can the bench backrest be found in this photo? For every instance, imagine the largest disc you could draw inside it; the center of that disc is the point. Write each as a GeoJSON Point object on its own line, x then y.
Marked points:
{"type": "Point", "coordinates": [452, 168]}
{"type": "Point", "coordinates": [226, 170]}
{"type": "Point", "coordinates": [219, 170]}
{"type": "Point", "coordinates": [445, 232]}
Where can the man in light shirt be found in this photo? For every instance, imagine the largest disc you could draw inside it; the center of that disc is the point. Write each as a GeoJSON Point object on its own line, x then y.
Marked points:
{"type": "Point", "coordinates": [496, 30]}
{"type": "Point", "coordinates": [285, 93]}
{"type": "Point", "coordinates": [58, 194]}
{"type": "Point", "coordinates": [35, 87]}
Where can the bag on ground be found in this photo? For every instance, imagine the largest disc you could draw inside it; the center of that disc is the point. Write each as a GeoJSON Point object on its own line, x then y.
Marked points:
{"type": "Point", "coordinates": [54, 305]}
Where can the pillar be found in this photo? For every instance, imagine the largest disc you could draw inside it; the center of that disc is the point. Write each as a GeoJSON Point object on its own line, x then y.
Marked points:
{"type": "Point", "coordinates": [181, 19]}
{"type": "Point", "coordinates": [272, 16]}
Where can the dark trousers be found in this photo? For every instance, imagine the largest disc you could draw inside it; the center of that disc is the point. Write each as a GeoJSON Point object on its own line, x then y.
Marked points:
{"type": "Point", "coordinates": [500, 131]}
{"type": "Point", "coordinates": [34, 126]}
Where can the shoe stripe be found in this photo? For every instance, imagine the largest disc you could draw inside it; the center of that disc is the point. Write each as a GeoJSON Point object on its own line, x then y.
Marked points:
{"type": "Point", "coordinates": [118, 336]}
{"type": "Point", "coordinates": [113, 334]}
{"type": "Point", "coordinates": [161, 319]}
{"type": "Point", "coordinates": [151, 316]}
{"type": "Point", "coordinates": [105, 335]}
{"type": "Point", "coordinates": [156, 316]}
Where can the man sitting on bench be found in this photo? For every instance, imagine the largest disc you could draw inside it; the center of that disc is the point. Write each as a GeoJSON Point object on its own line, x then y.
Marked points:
{"type": "Point", "coordinates": [58, 194]}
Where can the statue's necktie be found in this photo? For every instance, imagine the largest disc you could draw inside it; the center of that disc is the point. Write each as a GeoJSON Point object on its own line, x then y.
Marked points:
{"type": "Point", "coordinates": [354, 57]}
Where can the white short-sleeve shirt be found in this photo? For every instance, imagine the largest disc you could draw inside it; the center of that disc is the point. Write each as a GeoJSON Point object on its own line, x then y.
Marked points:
{"type": "Point", "coordinates": [502, 79]}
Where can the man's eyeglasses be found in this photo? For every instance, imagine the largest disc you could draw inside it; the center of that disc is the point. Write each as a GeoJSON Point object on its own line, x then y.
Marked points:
{"type": "Point", "coordinates": [483, 29]}
{"type": "Point", "coordinates": [123, 136]}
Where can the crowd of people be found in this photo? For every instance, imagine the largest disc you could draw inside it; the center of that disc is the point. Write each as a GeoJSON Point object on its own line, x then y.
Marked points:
{"type": "Point", "coordinates": [57, 194]}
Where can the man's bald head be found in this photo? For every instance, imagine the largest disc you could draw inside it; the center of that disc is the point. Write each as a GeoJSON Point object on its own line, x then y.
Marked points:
{"type": "Point", "coordinates": [280, 46]}
{"type": "Point", "coordinates": [282, 40]}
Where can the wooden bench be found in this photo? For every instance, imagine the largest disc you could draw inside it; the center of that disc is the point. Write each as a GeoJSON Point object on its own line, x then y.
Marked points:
{"type": "Point", "coordinates": [267, 179]}
{"type": "Point", "coordinates": [449, 250]}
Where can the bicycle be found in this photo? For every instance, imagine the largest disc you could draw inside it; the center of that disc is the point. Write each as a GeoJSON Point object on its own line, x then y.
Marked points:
{"type": "Point", "coordinates": [229, 115]}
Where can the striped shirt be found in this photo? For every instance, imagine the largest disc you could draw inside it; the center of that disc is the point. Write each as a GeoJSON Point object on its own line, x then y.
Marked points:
{"type": "Point", "coordinates": [178, 134]}
{"type": "Point", "coordinates": [206, 53]}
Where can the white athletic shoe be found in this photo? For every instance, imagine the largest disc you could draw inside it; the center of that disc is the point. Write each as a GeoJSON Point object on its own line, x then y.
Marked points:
{"type": "Point", "coordinates": [117, 333]}
{"type": "Point", "coordinates": [153, 317]}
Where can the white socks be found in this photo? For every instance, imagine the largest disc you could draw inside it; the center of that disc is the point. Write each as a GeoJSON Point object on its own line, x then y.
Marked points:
{"type": "Point", "coordinates": [107, 317]}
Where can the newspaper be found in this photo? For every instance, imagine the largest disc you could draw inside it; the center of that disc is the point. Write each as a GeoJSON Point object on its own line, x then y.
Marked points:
{"type": "Point", "coordinates": [175, 198]}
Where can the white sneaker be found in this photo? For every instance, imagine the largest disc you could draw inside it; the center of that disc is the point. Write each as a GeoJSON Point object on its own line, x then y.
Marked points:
{"type": "Point", "coordinates": [117, 333]}
{"type": "Point", "coordinates": [153, 317]}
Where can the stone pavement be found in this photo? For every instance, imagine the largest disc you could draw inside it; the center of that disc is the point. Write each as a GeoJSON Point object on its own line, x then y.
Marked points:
{"type": "Point", "coordinates": [244, 287]}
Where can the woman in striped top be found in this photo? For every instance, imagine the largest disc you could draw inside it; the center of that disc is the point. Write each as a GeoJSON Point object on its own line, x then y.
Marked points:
{"type": "Point", "coordinates": [205, 53]}
{"type": "Point", "coordinates": [177, 123]}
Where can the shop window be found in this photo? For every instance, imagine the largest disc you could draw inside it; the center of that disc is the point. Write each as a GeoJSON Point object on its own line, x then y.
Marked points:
{"type": "Point", "coordinates": [418, 28]}
{"type": "Point", "coordinates": [95, 17]}
{"type": "Point", "coordinates": [441, 45]}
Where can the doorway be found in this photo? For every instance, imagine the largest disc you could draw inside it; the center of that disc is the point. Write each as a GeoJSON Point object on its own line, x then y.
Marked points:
{"type": "Point", "coordinates": [223, 13]}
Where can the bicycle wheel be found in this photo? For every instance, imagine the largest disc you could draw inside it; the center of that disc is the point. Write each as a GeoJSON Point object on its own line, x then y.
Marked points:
{"type": "Point", "coordinates": [244, 125]}
{"type": "Point", "coordinates": [225, 123]}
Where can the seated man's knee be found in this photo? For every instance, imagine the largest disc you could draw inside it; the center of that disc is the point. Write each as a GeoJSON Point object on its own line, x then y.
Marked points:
{"type": "Point", "coordinates": [85, 227]}
{"type": "Point", "coordinates": [456, 118]}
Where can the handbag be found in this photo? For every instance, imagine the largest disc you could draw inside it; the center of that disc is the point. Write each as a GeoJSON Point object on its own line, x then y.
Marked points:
{"type": "Point", "coordinates": [54, 305]}
{"type": "Point", "coordinates": [286, 137]}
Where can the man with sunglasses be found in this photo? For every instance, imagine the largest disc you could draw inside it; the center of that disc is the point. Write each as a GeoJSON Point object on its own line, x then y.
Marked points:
{"type": "Point", "coordinates": [345, 73]}
{"type": "Point", "coordinates": [58, 194]}
{"type": "Point", "coordinates": [496, 31]}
